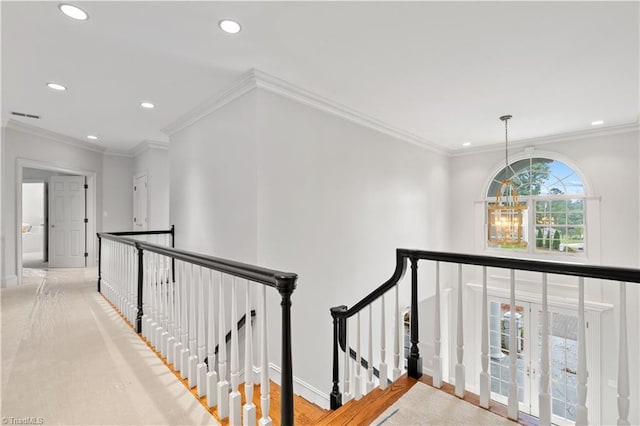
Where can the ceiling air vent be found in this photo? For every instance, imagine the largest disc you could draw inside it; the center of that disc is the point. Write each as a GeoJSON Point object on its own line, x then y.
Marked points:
{"type": "Point", "coordinates": [22, 114]}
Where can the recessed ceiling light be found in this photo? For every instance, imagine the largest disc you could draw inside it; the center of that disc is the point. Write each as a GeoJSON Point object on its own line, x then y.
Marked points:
{"type": "Point", "coordinates": [147, 105]}
{"type": "Point", "coordinates": [597, 123]}
{"type": "Point", "coordinates": [73, 12]}
{"type": "Point", "coordinates": [92, 137]}
{"type": "Point", "coordinates": [466, 144]}
{"type": "Point", "coordinates": [56, 86]}
{"type": "Point", "coordinates": [229, 26]}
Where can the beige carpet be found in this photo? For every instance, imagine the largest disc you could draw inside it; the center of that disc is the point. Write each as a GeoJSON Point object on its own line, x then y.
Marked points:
{"type": "Point", "coordinates": [69, 359]}
{"type": "Point", "coordinates": [424, 405]}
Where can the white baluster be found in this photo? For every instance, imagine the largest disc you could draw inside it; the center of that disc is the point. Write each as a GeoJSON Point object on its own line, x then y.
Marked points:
{"type": "Point", "coordinates": [177, 347]}
{"type": "Point", "coordinates": [485, 390]}
{"type": "Point", "coordinates": [212, 376]}
{"type": "Point", "coordinates": [460, 379]}
{"type": "Point", "coordinates": [164, 337]}
{"type": "Point", "coordinates": [184, 309]}
{"type": "Point", "coordinates": [347, 363]}
{"type": "Point", "coordinates": [249, 412]}
{"type": "Point", "coordinates": [171, 341]}
{"type": "Point", "coordinates": [145, 295]}
{"type": "Point", "coordinates": [623, 362]}
{"type": "Point", "coordinates": [234, 396]}
{"type": "Point", "coordinates": [357, 381]}
{"type": "Point", "coordinates": [396, 337]}
{"type": "Point", "coordinates": [383, 378]}
{"type": "Point", "coordinates": [223, 384]}
{"type": "Point", "coordinates": [193, 340]}
{"type": "Point", "coordinates": [265, 398]}
{"type": "Point", "coordinates": [369, 384]}
{"type": "Point", "coordinates": [544, 399]}
{"type": "Point", "coordinates": [156, 297]}
{"type": "Point", "coordinates": [437, 360]}
{"type": "Point", "coordinates": [582, 413]}
{"type": "Point", "coordinates": [512, 403]}
{"type": "Point", "coordinates": [202, 349]}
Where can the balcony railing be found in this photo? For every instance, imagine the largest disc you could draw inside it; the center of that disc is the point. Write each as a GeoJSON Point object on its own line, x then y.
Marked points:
{"type": "Point", "coordinates": [357, 381]}
{"type": "Point", "coordinates": [175, 299]}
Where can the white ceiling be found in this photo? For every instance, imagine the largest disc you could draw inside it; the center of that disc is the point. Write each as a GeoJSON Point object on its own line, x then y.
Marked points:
{"type": "Point", "coordinates": [444, 71]}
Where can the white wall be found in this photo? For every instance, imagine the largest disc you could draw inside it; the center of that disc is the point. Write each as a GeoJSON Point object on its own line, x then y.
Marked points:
{"type": "Point", "coordinates": [117, 205]}
{"type": "Point", "coordinates": [43, 150]}
{"type": "Point", "coordinates": [155, 162]}
{"type": "Point", "coordinates": [610, 165]}
{"type": "Point", "coordinates": [269, 180]}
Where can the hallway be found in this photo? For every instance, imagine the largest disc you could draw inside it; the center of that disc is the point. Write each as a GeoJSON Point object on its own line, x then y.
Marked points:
{"type": "Point", "coordinates": [68, 358]}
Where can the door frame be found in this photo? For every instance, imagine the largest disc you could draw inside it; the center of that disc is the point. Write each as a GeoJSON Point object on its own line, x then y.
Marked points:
{"type": "Point", "coordinates": [90, 201]}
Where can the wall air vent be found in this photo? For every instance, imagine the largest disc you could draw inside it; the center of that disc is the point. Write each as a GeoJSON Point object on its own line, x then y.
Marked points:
{"type": "Point", "coordinates": [22, 114]}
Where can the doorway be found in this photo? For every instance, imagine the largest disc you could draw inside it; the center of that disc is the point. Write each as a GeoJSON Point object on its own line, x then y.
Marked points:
{"type": "Point", "coordinates": [34, 225]}
{"type": "Point", "coordinates": [563, 361]}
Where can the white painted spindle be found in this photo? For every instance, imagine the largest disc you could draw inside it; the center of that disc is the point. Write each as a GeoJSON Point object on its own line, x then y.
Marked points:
{"type": "Point", "coordinates": [223, 384]}
{"type": "Point", "coordinates": [201, 367]}
{"type": "Point", "coordinates": [234, 396]}
{"type": "Point", "coordinates": [177, 347]}
{"type": "Point", "coordinates": [357, 383]}
{"type": "Point", "coordinates": [383, 375]}
{"type": "Point", "coordinates": [437, 360]}
{"type": "Point", "coordinates": [512, 402]}
{"type": "Point", "coordinates": [544, 399]}
{"type": "Point", "coordinates": [265, 398]}
{"type": "Point", "coordinates": [347, 364]}
{"type": "Point", "coordinates": [212, 376]}
{"type": "Point", "coordinates": [623, 362]}
{"type": "Point", "coordinates": [460, 379]}
{"type": "Point", "coordinates": [582, 413]}
{"type": "Point", "coordinates": [369, 384]}
{"type": "Point", "coordinates": [485, 390]}
{"type": "Point", "coordinates": [396, 337]}
{"type": "Point", "coordinates": [193, 340]}
{"type": "Point", "coordinates": [171, 323]}
{"type": "Point", "coordinates": [249, 411]}
{"type": "Point", "coordinates": [164, 338]}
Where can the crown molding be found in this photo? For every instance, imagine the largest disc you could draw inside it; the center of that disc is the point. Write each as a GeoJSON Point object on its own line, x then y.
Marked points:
{"type": "Point", "coordinates": [243, 85]}
{"type": "Point", "coordinates": [255, 78]}
{"type": "Point", "coordinates": [285, 89]}
{"type": "Point", "coordinates": [48, 134]}
{"type": "Point", "coordinates": [146, 145]}
{"type": "Point", "coordinates": [633, 126]}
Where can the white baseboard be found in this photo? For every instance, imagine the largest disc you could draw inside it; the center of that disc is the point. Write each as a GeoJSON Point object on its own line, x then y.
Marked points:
{"type": "Point", "coordinates": [9, 281]}
{"type": "Point", "coordinates": [300, 387]}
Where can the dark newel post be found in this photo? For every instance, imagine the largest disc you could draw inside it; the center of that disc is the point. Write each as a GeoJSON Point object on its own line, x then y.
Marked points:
{"type": "Point", "coordinates": [140, 283]}
{"type": "Point", "coordinates": [286, 285]}
{"type": "Point", "coordinates": [173, 260]}
{"type": "Point", "coordinates": [414, 364]}
{"type": "Point", "coordinates": [99, 261]}
{"type": "Point", "coordinates": [336, 397]}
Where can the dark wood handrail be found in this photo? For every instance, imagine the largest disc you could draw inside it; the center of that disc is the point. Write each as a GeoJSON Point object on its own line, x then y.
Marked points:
{"type": "Point", "coordinates": [270, 277]}
{"type": "Point", "coordinates": [341, 313]}
{"type": "Point", "coordinates": [283, 282]}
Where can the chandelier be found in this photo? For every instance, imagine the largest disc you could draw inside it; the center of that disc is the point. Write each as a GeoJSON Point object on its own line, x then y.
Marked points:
{"type": "Point", "coordinates": [504, 217]}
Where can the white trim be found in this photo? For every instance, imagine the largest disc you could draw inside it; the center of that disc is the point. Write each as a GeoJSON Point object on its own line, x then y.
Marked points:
{"type": "Point", "coordinates": [91, 248]}
{"type": "Point", "coordinates": [58, 137]}
{"type": "Point", "coordinates": [255, 78]}
{"type": "Point", "coordinates": [9, 281]}
{"type": "Point", "coordinates": [629, 127]}
{"type": "Point", "coordinates": [300, 387]}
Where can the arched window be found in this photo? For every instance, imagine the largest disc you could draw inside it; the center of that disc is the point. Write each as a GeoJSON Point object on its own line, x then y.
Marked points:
{"type": "Point", "coordinates": [555, 196]}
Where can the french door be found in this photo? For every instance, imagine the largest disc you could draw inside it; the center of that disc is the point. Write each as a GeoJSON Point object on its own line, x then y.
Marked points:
{"type": "Point", "coordinates": [563, 359]}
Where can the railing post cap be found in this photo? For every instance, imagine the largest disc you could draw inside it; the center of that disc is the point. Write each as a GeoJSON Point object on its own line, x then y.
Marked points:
{"type": "Point", "coordinates": [286, 283]}
{"type": "Point", "coordinates": [338, 309]}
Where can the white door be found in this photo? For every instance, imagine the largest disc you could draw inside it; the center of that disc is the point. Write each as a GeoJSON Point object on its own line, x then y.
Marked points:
{"type": "Point", "coordinates": [563, 329]}
{"type": "Point", "coordinates": [140, 202]}
{"type": "Point", "coordinates": [66, 222]}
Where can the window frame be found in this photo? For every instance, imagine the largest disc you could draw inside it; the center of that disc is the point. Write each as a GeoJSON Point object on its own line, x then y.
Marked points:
{"type": "Point", "coordinates": [530, 230]}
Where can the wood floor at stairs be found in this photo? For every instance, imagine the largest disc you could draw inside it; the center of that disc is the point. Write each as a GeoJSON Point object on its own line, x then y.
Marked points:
{"type": "Point", "coordinates": [369, 407]}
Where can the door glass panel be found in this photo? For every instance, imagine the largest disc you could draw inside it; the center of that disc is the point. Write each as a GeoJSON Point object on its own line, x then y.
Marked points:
{"type": "Point", "coordinates": [499, 323]}
{"type": "Point", "coordinates": [563, 346]}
